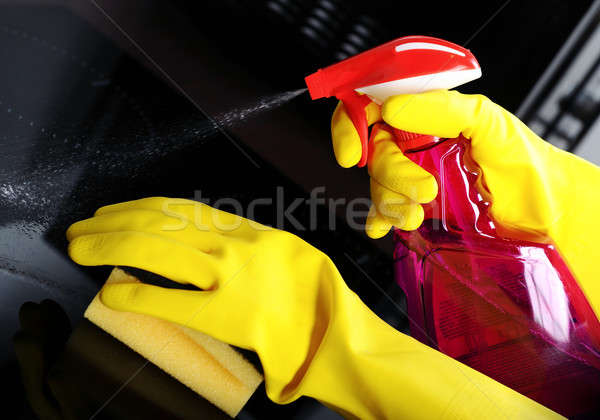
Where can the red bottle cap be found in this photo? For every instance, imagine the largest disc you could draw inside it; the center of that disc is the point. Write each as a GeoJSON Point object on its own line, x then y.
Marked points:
{"type": "Point", "coordinates": [408, 141]}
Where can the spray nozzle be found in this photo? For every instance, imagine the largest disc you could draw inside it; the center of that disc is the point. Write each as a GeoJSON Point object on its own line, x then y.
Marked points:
{"type": "Point", "coordinates": [411, 64]}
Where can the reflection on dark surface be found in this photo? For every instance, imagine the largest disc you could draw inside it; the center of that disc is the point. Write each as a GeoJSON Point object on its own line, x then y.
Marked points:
{"type": "Point", "coordinates": [84, 125]}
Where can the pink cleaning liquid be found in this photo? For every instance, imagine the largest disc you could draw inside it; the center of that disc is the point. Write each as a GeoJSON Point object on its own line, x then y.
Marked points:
{"type": "Point", "coordinates": [507, 306]}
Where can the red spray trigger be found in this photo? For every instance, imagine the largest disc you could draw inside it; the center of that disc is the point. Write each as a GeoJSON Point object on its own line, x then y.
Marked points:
{"type": "Point", "coordinates": [355, 107]}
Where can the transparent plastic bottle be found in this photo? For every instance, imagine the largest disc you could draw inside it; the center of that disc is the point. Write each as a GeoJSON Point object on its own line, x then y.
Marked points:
{"type": "Point", "coordinates": [500, 301]}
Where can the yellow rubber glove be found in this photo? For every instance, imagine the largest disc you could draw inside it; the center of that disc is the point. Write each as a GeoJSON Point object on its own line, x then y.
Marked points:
{"type": "Point", "coordinates": [398, 186]}
{"type": "Point", "coordinates": [268, 291]}
{"type": "Point", "coordinates": [534, 187]}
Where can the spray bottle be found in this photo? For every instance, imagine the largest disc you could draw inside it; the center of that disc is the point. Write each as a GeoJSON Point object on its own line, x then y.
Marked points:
{"type": "Point", "coordinates": [507, 306]}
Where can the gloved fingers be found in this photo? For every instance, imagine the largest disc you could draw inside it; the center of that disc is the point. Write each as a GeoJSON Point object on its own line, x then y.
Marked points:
{"type": "Point", "coordinates": [200, 214]}
{"type": "Point", "coordinates": [377, 225]}
{"type": "Point", "coordinates": [346, 142]}
{"type": "Point", "coordinates": [148, 203]}
{"type": "Point", "coordinates": [399, 210]}
{"type": "Point", "coordinates": [439, 113]}
{"type": "Point", "coordinates": [393, 170]}
{"type": "Point", "coordinates": [183, 307]}
{"type": "Point", "coordinates": [178, 228]}
{"type": "Point", "coordinates": [168, 258]}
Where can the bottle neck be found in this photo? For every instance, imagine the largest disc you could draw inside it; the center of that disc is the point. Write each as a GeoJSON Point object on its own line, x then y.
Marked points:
{"type": "Point", "coordinates": [413, 142]}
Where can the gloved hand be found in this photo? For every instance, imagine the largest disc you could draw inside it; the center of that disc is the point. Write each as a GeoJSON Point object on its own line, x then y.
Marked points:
{"type": "Point", "coordinates": [398, 185]}
{"type": "Point", "coordinates": [268, 291]}
{"type": "Point", "coordinates": [533, 186]}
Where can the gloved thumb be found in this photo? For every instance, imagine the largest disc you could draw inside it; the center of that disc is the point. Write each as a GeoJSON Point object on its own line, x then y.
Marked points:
{"type": "Point", "coordinates": [176, 305]}
{"type": "Point", "coordinates": [440, 113]}
{"type": "Point", "coordinates": [346, 142]}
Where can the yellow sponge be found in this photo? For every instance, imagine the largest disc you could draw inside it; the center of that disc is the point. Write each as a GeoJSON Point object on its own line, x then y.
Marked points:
{"type": "Point", "coordinates": [210, 367]}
